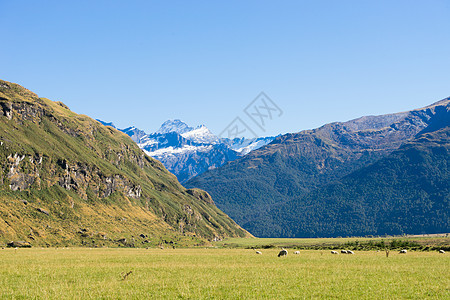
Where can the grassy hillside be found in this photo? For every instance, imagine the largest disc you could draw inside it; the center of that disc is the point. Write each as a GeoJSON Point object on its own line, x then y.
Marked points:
{"type": "Point", "coordinates": [67, 179]}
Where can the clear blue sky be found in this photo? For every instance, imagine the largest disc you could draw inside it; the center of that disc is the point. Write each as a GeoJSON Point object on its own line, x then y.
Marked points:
{"type": "Point", "coordinates": [141, 63]}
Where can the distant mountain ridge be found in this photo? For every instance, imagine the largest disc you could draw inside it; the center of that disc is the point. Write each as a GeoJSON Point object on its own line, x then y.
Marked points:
{"type": "Point", "coordinates": [187, 151]}
{"type": "Point", "coordinates": [261, 190]}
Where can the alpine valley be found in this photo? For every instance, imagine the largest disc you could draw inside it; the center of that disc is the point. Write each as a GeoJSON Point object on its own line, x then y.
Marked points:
{"type": "Point", "coordinates": [374, 175]}
{"type": "Point", "coordinates": [186, 151]}
{"type": "Point", "coordinates": [68, 180]}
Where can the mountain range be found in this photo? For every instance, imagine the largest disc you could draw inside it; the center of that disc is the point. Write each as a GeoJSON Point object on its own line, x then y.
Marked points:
{"type": "Point", "coordinates": [374, 175]}
{"type": "Point", "coordinates": [187, 151]}
{"type": "Point", "coordinates": [66, 179]}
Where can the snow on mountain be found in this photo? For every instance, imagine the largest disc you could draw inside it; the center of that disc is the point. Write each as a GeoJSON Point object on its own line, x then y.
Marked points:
{"type": "Point", "coordinates": [244, 146]}
{"type": "Point", "coordinates": [174, 126]}
{"type": "Point", "coordinates": [174, 151]}
{"type": "Point", "coordinates": [186, 151]}
{"type": "Point", "coordinates": [201, 135]}
{"type": "Point", "coordinates": [148, 143]}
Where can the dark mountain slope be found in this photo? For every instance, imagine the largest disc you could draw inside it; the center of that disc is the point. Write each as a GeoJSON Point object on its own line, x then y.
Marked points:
{"type": "Point", "coordinates": [295, 164]}
{"type": "Point", "coordinates": [406, 192]}
{"type": "Point", "coordinates": [65, 178]}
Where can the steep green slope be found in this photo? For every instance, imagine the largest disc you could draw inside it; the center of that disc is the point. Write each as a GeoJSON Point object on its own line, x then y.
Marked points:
{"type": "Point", "coordinates": [249, 189]}
{"type": "Point", "coordinates": [65, 178]}
{"type": "Point", "coordinates": [407, 192]}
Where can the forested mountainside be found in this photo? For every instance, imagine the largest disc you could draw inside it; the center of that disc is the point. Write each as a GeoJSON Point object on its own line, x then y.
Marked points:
{"type": "Point", "coordinates": [407, 192]}
{"type": "Point", "coordinates": [265, 187]}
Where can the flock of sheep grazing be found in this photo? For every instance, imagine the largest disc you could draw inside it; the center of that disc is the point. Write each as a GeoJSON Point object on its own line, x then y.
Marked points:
{"type": "Point", "coordinates": [284, 252]}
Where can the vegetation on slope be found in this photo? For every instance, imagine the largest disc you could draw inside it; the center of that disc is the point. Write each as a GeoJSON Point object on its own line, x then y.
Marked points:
{"type": "Point", "coordinates": [265, 191]}
{"type": "Point", "coordinates": [65, 178]}
{"type": "Point", "coordinates": [407, 192]}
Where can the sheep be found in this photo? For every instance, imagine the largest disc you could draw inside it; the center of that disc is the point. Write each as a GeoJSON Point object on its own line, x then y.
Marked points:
{"type": "Point", "coordinates": [344, 251]}
{"type": "Point", "coordinates": [283, 252]}
{"type": "Point", "coordinates": [256, 251]}
{"type": "Point", "coordinates": [350, 252]}
{"type": "Point", "coordinates": [441, 251]}
{"type": "Point", "coordinates": [403, 251]}
{"type": "Point", "coordinates": [297, 252]}
{"type": "Point", "coordinates": [334, 252]}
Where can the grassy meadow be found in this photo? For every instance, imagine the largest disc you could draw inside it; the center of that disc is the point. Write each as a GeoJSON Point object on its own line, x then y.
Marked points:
{"type": "Point", "coordinates": [219, 273]}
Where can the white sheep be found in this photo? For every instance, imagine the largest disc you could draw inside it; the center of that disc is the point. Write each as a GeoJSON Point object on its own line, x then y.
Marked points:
{"type": "Point", "coordinates": [350, 252]}
{"type": "Point", "coordinates": [297, 252]}
{"type": "Point", "coordinates": [403, 251]}
{"type": "Point", "coordinates": [441, 251]}
{"type": "Point", "coordinates": [258, 252]}
{"type": "Point", "coordinates": [283, 252]}
{"type": "Point", "coordinates": [344, 251]}
{"type": "Point", "coordinates": [334, 252]}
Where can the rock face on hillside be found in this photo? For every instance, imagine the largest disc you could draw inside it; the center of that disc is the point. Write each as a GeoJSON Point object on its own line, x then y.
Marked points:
{"type": "Point", "coordinates": [260, 189]}
{"type": "Point", "coordinates": [83, 174]}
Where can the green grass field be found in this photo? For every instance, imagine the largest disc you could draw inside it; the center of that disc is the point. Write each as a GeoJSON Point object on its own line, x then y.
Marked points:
{"type": "Point", "coordinates": [199, 273]}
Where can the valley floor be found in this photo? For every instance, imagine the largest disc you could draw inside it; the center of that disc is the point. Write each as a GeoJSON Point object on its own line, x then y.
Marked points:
{"type": "Point", "coordinates": [198, 273]}
{"type": "Point", "coordinates": [426, 242]}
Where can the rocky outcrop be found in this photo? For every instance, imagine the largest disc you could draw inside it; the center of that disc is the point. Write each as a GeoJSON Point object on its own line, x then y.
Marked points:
{"type": "Point", "coordinates": [24, 172]}
{"type": "Point", "coordinates": [201, 195]}
{"type": "Point", "coordinates": [21, 173]}
{"type": "Point", "coordinates": [7, 109]}
{"type": "Point", "coordinates": [18, 244]}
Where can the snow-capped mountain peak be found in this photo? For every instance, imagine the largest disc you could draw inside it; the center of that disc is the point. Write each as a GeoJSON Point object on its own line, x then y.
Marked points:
{"type": "Point", "coordinates": [188, 152]}
{"type": "Point", "coordinates": [177, 126]}
{"type": "Point", "coordinates": [201, 134]}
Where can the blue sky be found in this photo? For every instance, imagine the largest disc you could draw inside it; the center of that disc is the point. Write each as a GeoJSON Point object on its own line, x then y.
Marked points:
{"type": "Point", "coordinates": [143, 62]}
